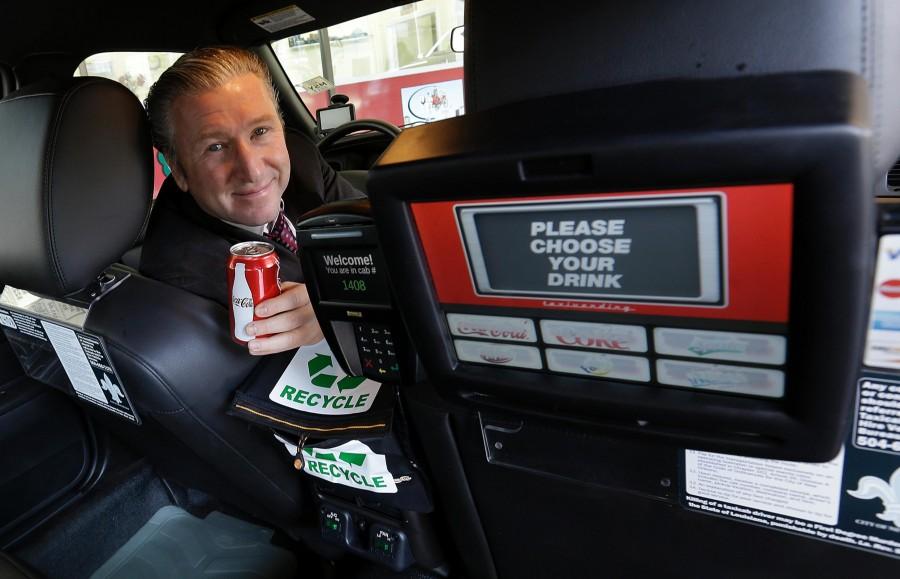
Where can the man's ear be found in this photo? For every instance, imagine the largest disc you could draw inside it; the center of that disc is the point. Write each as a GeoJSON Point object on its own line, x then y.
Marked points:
{"type": "Point", "coordinates": [178, 174]}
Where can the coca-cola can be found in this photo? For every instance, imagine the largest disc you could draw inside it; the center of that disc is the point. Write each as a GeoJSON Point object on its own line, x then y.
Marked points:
{"type": "Point", "coordinates": [252, 278]}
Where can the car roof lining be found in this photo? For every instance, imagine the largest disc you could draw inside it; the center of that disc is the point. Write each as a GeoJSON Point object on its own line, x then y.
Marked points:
{"type": "Point", "coordinates": [79, 29]}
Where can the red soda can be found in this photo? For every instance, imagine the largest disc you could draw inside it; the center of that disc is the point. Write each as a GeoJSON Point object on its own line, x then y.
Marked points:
{"type": "Point", "coordinates": [252, 278]}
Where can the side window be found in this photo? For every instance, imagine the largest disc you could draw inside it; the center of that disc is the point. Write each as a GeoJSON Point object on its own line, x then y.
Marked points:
{"type": "Point", "coordinates": [137, 71]}
{"type": "Point", "coordinates": [395, 65]}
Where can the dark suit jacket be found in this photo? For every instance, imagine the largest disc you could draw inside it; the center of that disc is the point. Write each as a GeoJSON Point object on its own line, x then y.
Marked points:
{"type": "Point", "coordinates": [188, 248]}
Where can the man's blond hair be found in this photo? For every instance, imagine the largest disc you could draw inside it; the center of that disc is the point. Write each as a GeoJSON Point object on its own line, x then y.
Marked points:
{"type": "Point", "coordinates": [197, 71]}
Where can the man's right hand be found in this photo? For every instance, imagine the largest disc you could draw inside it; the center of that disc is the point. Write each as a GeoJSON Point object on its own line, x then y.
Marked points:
{"type": "Point", "coordinates": [289, 322]}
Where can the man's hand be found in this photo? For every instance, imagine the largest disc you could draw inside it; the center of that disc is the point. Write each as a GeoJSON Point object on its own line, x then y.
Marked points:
{"type": "Point", "coordinates": [289, 322]}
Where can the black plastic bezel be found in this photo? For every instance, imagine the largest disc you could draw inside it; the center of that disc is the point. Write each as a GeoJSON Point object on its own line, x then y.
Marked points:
{"type": "Point", "coordinates": [810, 130]}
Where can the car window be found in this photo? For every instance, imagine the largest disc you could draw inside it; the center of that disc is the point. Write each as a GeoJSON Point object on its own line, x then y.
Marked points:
{"type": "Point", "coordinates": [394, 65]}
{"type": "Point", "coordinates": [137, 71]}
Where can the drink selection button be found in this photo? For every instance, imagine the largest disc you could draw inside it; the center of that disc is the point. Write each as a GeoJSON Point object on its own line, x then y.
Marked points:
{"type": "Point", "coordinates": [598, 365]}
{"type": "Point", "coordinates": [721, 378]}
{"type": "Point", "coordinates": [498, 354]}
{"type": "Point", "coordinates": [594, 336]}
{"type": "Point", "coordinates": [492, 327]}
{"type": "Point", "coordinates": [734, 346]}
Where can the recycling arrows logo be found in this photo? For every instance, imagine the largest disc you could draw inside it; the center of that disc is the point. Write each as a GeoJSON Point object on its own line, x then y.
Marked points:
{"type": "Point", "coordinates": [354, 458]}
{"type": "Point", "coordinates": [317, 376]}
{"type": "Point", "coordinates": [314, 382]}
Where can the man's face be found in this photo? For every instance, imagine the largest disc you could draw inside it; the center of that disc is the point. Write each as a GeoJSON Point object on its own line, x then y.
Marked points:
{"type": "Point", "coordinates": [230, 151]}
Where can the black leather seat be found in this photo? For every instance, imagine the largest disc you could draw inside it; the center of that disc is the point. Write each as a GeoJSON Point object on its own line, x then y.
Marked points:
{"type": "Point", "coordinates": [76, 191]}
{"type": "Point", "coordinates": [12, 569]}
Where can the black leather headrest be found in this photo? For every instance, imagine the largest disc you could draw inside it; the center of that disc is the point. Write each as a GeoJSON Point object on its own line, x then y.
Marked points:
{"type": "Point", "coordinates": [76, 181]}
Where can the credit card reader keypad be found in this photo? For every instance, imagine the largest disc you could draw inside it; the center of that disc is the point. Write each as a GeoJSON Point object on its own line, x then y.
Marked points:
{"type": "Point", "coordinates": [348, 286]}
{"type": "Point", "coordinates": [377, 352]}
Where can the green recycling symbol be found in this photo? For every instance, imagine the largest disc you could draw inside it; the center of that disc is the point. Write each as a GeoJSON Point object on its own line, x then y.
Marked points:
{"type": "Point", "coordinates": [317, 377]}
{"type": "Point", "coordinates": [354, 458]}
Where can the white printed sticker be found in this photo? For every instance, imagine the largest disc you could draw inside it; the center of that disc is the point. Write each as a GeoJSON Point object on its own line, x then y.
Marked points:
{"type": "Point", "coordinates": [84, 359]}
{"type": "Point", "coordinates": [317, 84]}
{"type": "Point", "coordinates": [352, 464]}
{"type": "Point", "coordinates": [74, 362]}
{"type": "Point", "coordinates": [804, 490]}
{"type": "Point", "coordinates": [44, 308]}
{"type": "Point", "coordinates": [286, 17]}
{"type": "Point", "coordinates": [314, 382]}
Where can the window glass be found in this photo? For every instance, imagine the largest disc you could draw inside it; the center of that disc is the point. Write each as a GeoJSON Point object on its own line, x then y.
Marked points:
{"type": "Point", "coordinates": [395, 65]}
{"type": "Point", "coordinates": [137, 71]}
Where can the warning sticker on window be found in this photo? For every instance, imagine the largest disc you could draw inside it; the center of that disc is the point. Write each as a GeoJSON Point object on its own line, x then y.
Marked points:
{"type": "Point", "coordinates": [283, 18]}
{"type": "Point", "coordinates": [852, 500]}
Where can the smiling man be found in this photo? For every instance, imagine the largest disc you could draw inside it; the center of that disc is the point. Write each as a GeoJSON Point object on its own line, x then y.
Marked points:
{"type": "Point", "coordinates": [214, 115]}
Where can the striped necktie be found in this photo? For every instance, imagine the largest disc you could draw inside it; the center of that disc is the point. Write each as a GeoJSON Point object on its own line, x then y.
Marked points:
{"type": "Point", "coordinates": [282, 233]}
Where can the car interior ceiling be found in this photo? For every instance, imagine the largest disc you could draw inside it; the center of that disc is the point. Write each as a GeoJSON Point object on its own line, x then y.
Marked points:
{"type": "Point", "coordinates": [499, 470]}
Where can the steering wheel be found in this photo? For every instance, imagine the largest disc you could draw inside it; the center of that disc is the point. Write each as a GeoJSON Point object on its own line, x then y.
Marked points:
{"type": "Point", "coordinates": [342, 131]}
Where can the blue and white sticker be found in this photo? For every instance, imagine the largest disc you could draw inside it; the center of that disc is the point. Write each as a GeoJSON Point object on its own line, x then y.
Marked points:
{"type": "Point", "coordinates": [883, 339]}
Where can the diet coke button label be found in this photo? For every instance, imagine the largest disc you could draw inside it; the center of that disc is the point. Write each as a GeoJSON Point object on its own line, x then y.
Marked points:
{"type": "Point", "coordinates": [492, 327]}
{"type": "Point", "coordinates": [614, 337]}
{"type": "Point", "coordinates": [498, 354]}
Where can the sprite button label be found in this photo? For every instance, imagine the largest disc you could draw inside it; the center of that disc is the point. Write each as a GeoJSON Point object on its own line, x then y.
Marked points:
{"type": "Point", "coordinates": [352, 464]}
{"type": "Point", "coordinates": [314, 382]}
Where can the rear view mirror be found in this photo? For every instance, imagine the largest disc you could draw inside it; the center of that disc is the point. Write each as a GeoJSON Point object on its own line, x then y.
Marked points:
{"type": "Point", "coordinates": [458, 39]}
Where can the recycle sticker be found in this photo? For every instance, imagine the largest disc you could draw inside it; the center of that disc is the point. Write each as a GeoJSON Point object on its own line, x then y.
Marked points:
{"type": "Point", "coordinates": [351, 464]}
{"type": "Point", "coordinates": [314, 382]}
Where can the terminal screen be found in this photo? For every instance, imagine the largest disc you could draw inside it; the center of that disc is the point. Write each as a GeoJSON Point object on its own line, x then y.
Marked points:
{"type": "Point", "coordinates": [665, 249]}
{"type": "Point", "coordinates": [351, 275]}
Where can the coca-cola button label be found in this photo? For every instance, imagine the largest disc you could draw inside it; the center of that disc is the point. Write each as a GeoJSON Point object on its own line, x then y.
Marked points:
{"type": "Point", "coordinates": [498, 354]}
{"type": "Point", "coordinates": [492, 327]}
{"type": "Point", "coordinates": [594, 336]}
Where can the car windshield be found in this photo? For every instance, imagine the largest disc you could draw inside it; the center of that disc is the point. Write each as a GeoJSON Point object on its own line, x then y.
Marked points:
{"type": "Point", "coordinates": [396, 65]}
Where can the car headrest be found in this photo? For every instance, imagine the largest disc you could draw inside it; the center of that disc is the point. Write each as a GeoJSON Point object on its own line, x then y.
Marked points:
{"type": "Point", "coordinates": [552, 52]}
{"type": "Point", "coordinates": [76, 180]}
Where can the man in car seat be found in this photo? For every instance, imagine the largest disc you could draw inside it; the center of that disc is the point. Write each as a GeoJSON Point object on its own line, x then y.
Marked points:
{"type": "Point", "coordinates": [214, 115]}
